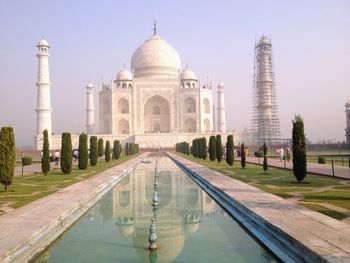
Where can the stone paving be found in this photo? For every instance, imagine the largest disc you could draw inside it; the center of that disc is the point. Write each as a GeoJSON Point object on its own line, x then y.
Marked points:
{"type": "Point", "coordinates": [316, 168]}
{"type": "Point", "coordinates": [324, 236]}
{"type": "Point", "coordinates": [28, 229]}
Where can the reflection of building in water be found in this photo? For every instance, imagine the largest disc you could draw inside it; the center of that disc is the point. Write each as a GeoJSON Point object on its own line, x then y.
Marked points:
{"type": "Point", "coordinates": [181, 207]}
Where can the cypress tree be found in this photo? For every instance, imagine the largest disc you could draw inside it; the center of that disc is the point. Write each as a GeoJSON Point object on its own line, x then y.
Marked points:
{"type": "Point", "coordinates": [242, 155]}
{"type": "Point", "coordinates": [83, 152]}
{"type": "Point", "coordinates": [265, 165]}
{"type": "Point", "coordinates": [204, 148]}
{"type": "Point", "coordinates": [212, 148]}
{"type": "Point", "coordinates": [229, 150]}
{"type": "Point", "coordinates": [45, 161]}
{"type": "Point", "coordinates": [187, 148]}
{"type": "Point", "coordinates": [7, 156]}
{"type": "Point", "coordinates": [66, 153]}
{"type": "Point", "coordinates": [100, 149]}
{"type": "Point", "coordinates": [93, 150]}
{"type": "Point", "coordinates": [126, 149]}
{"type": "Point", "coordinates": [299, 149]}
{"type": "Point", "coordinates": [219, 150]}
{"type": "Point", "coordinates": [107, 152]}
{"type": "Point", "coordinates": [116, 149]}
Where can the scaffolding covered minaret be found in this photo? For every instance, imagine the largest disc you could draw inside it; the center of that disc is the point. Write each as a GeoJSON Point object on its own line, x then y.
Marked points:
{"type": "Point", "coordinates": [265, 120]}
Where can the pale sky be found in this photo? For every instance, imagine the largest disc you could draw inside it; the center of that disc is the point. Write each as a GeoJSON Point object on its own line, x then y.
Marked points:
{"type": "Point", "coordinates": [90, 39]}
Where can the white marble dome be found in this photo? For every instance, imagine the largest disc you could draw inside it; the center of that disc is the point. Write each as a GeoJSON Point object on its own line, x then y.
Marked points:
{"type": "Point", "coordinates": [124, 74]}
{"type": "Point", "coordinates": [187, 74]}
{"type": "Point", "coordinates": [43, 42]}
{"type": "Point", "coordinates": [157, 58]}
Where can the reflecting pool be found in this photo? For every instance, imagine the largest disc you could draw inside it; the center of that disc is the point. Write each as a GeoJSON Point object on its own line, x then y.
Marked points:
{"type": "Point", "coordinates": [190, 225]}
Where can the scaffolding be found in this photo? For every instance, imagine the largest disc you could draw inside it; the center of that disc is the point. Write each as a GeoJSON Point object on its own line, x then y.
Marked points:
{"type": "Point", "coordinates": [265, 121]}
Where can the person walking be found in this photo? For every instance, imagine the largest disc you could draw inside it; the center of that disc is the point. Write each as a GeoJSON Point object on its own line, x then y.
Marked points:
{"type": "Point", "coordinates": [57, 157]}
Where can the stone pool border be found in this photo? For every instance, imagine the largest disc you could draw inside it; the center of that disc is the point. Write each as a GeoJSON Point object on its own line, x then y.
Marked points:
{"type": "Point", "coordinates": [28, 230]}
{"type": "Point", "coordinates": [292, 232]}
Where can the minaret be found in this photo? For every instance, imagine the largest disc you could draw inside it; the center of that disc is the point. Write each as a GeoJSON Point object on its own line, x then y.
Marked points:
{"type": "Point", "coordinates": [221, 109]}
{"type": "Point", "coordinates": [90, 110]}
{"type": "Point", "coordinates": [347, 116]}
{"type": "Point", "coordinates": [44, 98]}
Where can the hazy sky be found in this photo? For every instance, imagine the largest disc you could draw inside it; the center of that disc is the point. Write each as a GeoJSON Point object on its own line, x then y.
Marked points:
{"type": "Point", "coordinates": [90, 39]}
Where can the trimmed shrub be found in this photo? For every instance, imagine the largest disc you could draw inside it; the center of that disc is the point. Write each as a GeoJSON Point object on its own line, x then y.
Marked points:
{"type": "Point", "coordinates": [126, 149]}
{"type": "Point", "coordinates": [229, 150]}
{"type": "Point", "coordinates": [52, 158]}
{"type": "Point", "coordinates": [258, 154]}
{"type": "Point", "coordinates": [265, 165]}
{"type": "Point", "coordinates": [243, 155]}
{"type": "Point", "coordinates": [83, 152]}
{"type": "Point", "coordinates": [116, 149]}
{"type": "Point", "coordinates": [204, 149]}
{"type": "Point", "coordinates": [107, 152]}
{"type": "Point", "coordinates": [321, 159]}
{"type": "Point", "coordinates": [66, 153]}
{"type": "Point", "coordinates": [7, 156]}
{"type": "Point", "coordinates": [299, 149]}
{"type": "Point", "coordinates": [26, 161]}
{"type": "Point", "coordinates": [100, 149]}
{"type": "Point", "coordinates": [93, 150]}
{"type": "Point", "coordinates": [45, 161]}
{"type": "Point", "coordinates": [212, 148]}
{"type": "Point", "coordinates": [219, 150]}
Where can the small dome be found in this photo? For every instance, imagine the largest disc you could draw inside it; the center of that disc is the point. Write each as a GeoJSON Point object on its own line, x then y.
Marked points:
{"type": "Point", "coordinates": [155, 57]}
{"type": "Point", "coordinates": [347, 104]}
{"type": "Point", "coordinates": [187, 74]}
{"type": "Point", "coordinates": [43, 42]}
{"type": "Point", "coordinates": [221, 84]}
{"type": "Point", "coordinates": [124, 74]}
{"type": "Point", "coordinates": [90, 85]}
{"type": "Point", "coordinates": [264, 40]}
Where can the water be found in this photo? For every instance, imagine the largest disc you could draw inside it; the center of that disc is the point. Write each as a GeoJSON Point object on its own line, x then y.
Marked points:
{"type": "Point", "coordinates": [190, 226]}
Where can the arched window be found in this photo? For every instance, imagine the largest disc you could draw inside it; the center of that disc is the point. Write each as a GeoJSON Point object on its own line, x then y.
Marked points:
{"type": "Point", "coordinates": [123, 127]}
{"type": "Point", "coordinates": [124, 86]}
{"type": "Point", "coordinates": [206, 105]}
{"type": "Point", "coordinates": [190, 105]}
{"type": "Point", "coordinates": [123, 106]}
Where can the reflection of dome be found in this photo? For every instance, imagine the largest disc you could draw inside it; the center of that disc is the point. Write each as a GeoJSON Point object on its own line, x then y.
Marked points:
{"type": "Point", "coordinates": [192, 228]}
{"type": "Point", "coordinates": [192, 222]}
{"type": "Point", "coordinates": [124, 74]}
{"type": "Point", "coordinates": [126, 231]}
{"type": "Point", "coordinates": [170, 242]}
{"type": "Point", "coordinates": [155, 57]}
{"type": "Point", "coordinates": [187, 74]}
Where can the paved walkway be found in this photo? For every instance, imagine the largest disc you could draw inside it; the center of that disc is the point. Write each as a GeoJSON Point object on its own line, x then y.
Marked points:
{"type": "Point", "coordinates": [316, 168]}
{"type": "Point", "coordinates": [28, 229]}
{"type": "Point", "coordinates": [279, 219]}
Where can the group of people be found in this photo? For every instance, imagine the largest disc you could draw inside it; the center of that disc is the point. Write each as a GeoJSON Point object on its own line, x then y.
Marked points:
{"type": "Point", "coordinates": [53, 156]}
{"type": "Point", "coordinates": [284, 153]}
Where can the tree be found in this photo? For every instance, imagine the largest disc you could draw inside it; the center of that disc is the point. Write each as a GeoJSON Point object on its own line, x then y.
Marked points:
{"type": "Point", "coordinates": [204, 149]}
{"type": "Point", "coordinates": [219, 150]}
{"type": "Point", "coordinates": [212, 148]}
{"type": "Point", "coordinates": [93, 150]}
{"type": "Point", "coordinates": [45, 160]}
{"type": "Point", "coordinates": [116, 149]}
{"type": "Point", "coordinates": [242, 155]}
{"type": "Point", "coordinates": [7, 156]}
{"type": "Point", "coordinates": [83, 152]}
{"type": "Point", "coordinates": [265, 165]}
{"type": "Point", "coordinates": [299, 149]}
{"type": "Point", "coordinates": [100, 149]}
{"type": "Point", "coordinates": [229, 150]}
{"type": "Point", "coordinates": [126, 149]}
{"type": "Point", "coordinates": [107, 152]}
{"type": "Point", "coordinates": [66, 153]}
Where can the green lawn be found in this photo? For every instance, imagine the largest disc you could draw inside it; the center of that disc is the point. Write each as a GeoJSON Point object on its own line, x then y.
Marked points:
{"type": "Point", "coordinates": [29, 188]}
{"type": "Point", "coordinates": [283, 183]}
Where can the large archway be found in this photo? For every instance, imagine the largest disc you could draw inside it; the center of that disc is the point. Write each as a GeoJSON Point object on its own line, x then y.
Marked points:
{"type": "Point", "coordinates": [157, 115]}
{"type": "Point", "coordinates": [206, 125]}
{"type": "Point", "coordinates": [206, 105]}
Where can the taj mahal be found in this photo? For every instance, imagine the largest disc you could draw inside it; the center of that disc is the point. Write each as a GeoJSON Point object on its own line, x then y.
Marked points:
{"type": "Point", "coordinates": [155, 104]}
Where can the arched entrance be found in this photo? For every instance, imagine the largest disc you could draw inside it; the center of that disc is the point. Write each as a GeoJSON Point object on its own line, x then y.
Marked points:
{"type": "Point", "coordinates": [157, 115]}
{"type": "Point", "coordinates": [190, 125]}
{"type": "Point", "coordinates": [123, 127]}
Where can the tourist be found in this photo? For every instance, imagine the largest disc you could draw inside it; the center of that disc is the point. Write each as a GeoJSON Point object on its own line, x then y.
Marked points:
{"type": "Point", "coordinates": [57, 157]}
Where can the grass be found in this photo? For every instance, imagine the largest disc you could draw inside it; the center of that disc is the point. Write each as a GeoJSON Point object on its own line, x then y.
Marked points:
{"type": "Point", "coordinates": [27, 189]}
{"type": "Point", "coordinates": [283, 183]}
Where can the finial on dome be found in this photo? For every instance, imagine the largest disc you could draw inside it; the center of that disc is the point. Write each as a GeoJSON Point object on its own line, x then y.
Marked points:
{"type": "Point", "coordinates": [186, 66]}
{"type": "Point", "coordinates": [124, 66]}
{"type": "Point", "coordinates": [155, 28]}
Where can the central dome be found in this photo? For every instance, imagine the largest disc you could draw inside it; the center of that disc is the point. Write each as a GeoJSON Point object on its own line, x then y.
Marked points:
{"type": "Point", "coordinates": [156, 58]}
